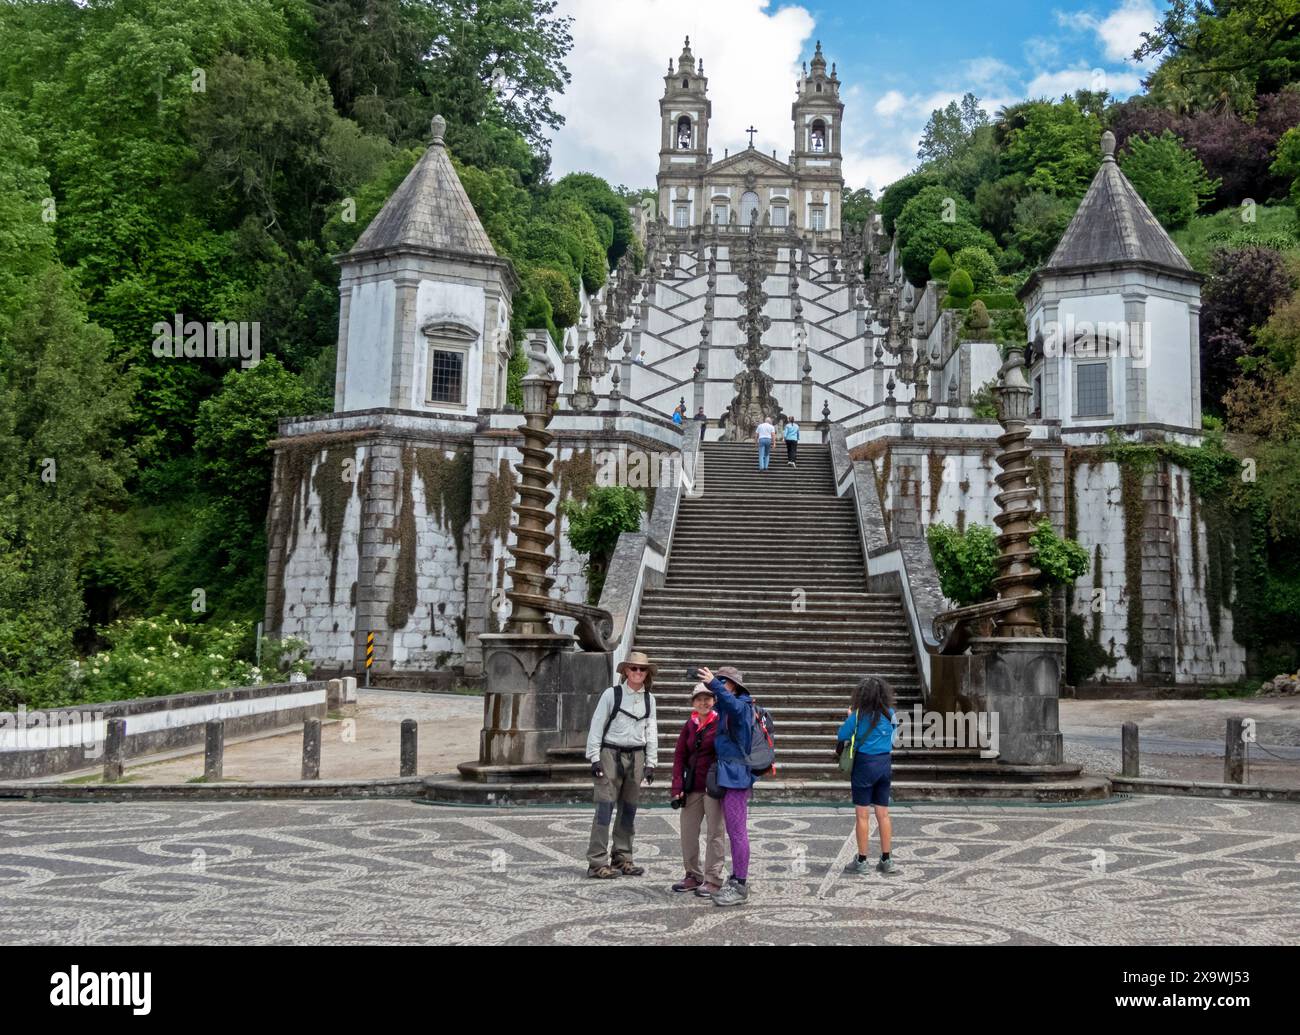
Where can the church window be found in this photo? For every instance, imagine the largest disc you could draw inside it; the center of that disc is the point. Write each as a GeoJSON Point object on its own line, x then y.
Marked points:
{"type": "Point", "coordinates": [748, 208]}
{"type": "Point", "coordinates": [1092, 394]}
{"type": "Point", "coordinates": [684, 133]}
{"type": "Point", "coordinates": [818, 214]}
{"type": "Point", "coordinates": [447, 375]}
{"type": "Point", "coordinates": [778, 215]}
{"type": "Point", "coordinates": [720, 214]}
{"type": "Point", "coordinates": [819, 136]}
{"type": "Point", "coordinates": [682, 216]}
{"type": "Point", "coordinates": [686, 84]}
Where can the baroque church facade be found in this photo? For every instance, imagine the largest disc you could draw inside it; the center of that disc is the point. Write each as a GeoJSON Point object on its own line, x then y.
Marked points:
{"type": "Point", "coordinates": [392, 516]}
{"type": "Point", "coordinates": [803, 190]}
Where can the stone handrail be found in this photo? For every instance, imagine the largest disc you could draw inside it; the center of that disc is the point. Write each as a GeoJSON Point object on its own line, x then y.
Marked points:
{"type": "Point", "coordinates": [641, 558]}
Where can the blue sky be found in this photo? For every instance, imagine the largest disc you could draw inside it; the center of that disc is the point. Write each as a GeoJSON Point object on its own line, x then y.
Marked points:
{"type": "Point", "coordinates": [897, 61]}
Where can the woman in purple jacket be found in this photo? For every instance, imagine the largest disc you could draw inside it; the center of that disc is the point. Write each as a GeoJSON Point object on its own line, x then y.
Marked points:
{"type": "Point", "coordinates": [694, 756]}
{"type": "Point", "coordinates": [733, 705]}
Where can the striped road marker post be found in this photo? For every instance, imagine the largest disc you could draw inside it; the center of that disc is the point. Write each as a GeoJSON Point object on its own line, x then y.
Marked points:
{"type": "Point", "coordinates": [370, 654]}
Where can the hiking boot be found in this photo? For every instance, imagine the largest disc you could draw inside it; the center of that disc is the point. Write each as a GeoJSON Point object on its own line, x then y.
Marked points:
{"type": "Point", "coordinates": [708, 890]}
{"type": "Point", "coordinates": [732, 894]}
{"type": "Point", "coordinates": [885, 866]}
{"type": "Point", "coordinates": [688, 883]}
{"type": "Point", "coordinates": [602, 872]}
{"type": "Point", "coordinates": [858, 867]}
{"type": "Point", "coordinates": [629, 869]}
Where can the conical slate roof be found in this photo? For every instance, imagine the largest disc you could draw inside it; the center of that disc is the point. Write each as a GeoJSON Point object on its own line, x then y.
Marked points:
{"type": "Point", "coordinates": [429, 211]}
{"type": "Point", "coordinates": [1114, 226]}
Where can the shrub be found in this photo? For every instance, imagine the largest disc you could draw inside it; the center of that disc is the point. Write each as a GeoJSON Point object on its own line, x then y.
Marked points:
{"type": "Point", "coordinates": [967, 561]}
{"type": "Point", "coordinates": [596, 522]}
{"type": "Point", "coordinates": [979, 264]}
{"type": "Point", "coordinates": [961, 285]}
{"type": "Point", "coordinates": [559, 292]}
{"type": "Point", "coordinates": [159, 656]}
{"type": "Point", "coordinates": [979, 316]}
{"type": "Point", "coordinates": [941, 264]}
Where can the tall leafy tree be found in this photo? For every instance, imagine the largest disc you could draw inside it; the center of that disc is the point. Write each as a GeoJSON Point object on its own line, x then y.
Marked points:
{"type": "Point", "coordinates": [1170, 178]}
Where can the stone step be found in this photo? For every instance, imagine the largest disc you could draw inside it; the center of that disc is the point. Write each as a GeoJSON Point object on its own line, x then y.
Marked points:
{"type": "Point", "coordinates": [775, 580]}
{"type": "Point", "coordinates": [774, 657]}
{"type": "Point", "coordinates": [990, 770]}
{"type": "Point", "coordinates": [885, 634]}
{"type": "Point", "coordinates": [831, 602]}
{"type": "Point", "coordinates": [781, 790]}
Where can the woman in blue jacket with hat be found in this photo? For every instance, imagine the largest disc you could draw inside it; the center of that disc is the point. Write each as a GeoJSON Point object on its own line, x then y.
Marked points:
{"type": "Point", "coordinates": [734, 705]}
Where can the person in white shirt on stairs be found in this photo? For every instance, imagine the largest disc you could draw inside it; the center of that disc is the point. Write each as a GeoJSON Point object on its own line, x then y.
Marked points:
{"type": "Point", "coordinates": [765, 434]}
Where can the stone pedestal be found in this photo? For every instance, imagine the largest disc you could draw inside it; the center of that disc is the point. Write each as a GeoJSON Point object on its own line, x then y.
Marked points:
{"type": "Point", "coordinates": [540, 695]}
{"type": "Point", "coordinates": [1019, 680]}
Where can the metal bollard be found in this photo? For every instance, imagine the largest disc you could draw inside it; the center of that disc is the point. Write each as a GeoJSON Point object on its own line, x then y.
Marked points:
{"type": "Point", "coordinates": [114, 749]}
{"type": "Point", "coordinates": [409, 753]}
{"type": "Point", "coordinates": [311, 749]}
{"type": "Point", "coordinates": [214, 749]}
{"type": "Point", "coordinates": [1234, 754]}
{"type": "Point", "coordinates": [1129, 749]}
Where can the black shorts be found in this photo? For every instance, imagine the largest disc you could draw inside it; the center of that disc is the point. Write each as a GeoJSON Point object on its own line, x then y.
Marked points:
{"type": "Point", "coordinates": [872, 775]}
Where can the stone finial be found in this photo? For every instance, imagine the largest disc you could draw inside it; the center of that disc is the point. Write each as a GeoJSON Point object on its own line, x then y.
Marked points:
{"type": "Point", "coordinates": [1108, 146]}
{"type": "Point", "coordinates": [438, 127]}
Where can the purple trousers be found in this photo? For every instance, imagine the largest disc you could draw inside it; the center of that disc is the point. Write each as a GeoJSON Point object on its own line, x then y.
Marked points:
{"type": "Point", "coordinates": [735, 813]}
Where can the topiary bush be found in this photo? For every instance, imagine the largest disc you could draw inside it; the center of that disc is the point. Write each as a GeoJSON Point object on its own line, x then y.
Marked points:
{"type": "Point", "coordinates": [960, 286]}
{"type": "Point", "coordinates": [981, 266]}
{"type": "Point", "coordinates": [941, 264]}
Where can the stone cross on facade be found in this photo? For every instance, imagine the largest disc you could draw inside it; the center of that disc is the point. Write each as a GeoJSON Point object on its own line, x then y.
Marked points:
{"type": "Point", "coordinates": [751, 131]}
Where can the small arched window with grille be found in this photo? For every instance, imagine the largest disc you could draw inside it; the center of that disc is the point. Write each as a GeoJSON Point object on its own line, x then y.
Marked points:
{"type": "Point", "coordinates": [684, 133]}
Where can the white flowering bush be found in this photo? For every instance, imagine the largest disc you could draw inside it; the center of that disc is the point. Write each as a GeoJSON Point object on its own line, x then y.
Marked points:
{"type": "Point", "coordinates": [153, 657]}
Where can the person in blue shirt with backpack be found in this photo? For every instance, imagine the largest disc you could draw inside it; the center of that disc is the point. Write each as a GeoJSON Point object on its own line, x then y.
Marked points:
{"type": "Point", "coordinates": [868, 733]}
{"type": "Point", "coordinates": [735, 774]}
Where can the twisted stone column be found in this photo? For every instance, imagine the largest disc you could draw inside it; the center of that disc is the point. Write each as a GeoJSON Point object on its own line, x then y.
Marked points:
{"type": "Point", "coordinates": [1017, 514]}
{"type": "Point", "coordinates": [533, 519]}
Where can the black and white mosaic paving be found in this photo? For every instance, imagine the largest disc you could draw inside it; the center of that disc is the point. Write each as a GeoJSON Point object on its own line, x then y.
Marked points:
{"type": "Point", "coordinates": [1136, 871]}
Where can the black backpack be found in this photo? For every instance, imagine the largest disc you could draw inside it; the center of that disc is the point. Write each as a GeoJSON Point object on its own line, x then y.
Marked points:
{"type": "Point", "coordinates": [618, 707]}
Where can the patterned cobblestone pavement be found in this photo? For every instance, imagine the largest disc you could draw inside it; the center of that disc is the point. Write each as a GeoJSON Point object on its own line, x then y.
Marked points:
{"type": "Point", "coordinates": [1135, 871]}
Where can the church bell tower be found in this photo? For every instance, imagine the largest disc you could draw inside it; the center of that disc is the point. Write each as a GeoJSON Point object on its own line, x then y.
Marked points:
{"type": "Point", "coordinates": [818, 116]}
{"type": "Point", "coordinates": [684, 112]}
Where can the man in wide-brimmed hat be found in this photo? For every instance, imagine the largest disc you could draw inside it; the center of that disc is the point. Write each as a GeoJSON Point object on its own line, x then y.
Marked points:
{"type": "Point", "coordinates": [622, 746]}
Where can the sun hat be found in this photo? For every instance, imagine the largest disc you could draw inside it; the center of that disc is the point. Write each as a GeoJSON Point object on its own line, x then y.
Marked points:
{"type": "Point", "coordinates": [700, 690]}
{"type": "Point", "coordinates": [734, 674]}
{"type": "Point", "coordinates": [637, 657]}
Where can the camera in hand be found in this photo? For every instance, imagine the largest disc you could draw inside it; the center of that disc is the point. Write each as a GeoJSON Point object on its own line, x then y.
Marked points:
{"type": "Point", "coordinates": [693, 673]}
{"type": "Point", "coordinates": [677, 803]}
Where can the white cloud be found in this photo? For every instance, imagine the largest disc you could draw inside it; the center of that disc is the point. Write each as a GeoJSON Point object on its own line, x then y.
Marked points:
{"type": "Point", "coordinates": [619, 59]}
{"type": "Point", "coordinates": [1120, 32]}
{"type": "Point", "coordinates": [890, 104]}
{"type": "Point", "coordinates": [1066, 80]}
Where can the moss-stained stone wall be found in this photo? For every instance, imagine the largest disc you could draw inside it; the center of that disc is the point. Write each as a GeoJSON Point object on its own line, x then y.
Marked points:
{"type": "Point", "coordinates": [312, 529]}
{"type": "Point", "coordinates": [1164, 569]}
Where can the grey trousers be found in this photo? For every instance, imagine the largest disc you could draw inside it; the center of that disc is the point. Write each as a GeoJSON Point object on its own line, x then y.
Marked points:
{"type": "Point", "coordinates": [698, 809]}
{"type": "Point", "coordinates": [619, 787]}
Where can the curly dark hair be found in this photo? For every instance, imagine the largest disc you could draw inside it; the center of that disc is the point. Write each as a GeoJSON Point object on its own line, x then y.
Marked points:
{"type": "Point", "coordinates": [872, 696]}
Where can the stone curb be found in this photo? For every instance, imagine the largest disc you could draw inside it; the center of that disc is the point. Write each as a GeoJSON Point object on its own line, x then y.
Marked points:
{"type": "Point", "coordinates": [396, 787]}
{"type": "Point", "coordinates": [1200, 789]}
